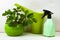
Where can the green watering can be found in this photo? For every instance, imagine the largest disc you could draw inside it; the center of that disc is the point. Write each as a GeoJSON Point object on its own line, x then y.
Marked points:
{"type": "Point", "coordinates": [36, 28]}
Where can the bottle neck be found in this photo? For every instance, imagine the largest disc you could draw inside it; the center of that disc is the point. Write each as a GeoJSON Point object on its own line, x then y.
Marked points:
{"type": "Point", "coordinates": [49, 16]}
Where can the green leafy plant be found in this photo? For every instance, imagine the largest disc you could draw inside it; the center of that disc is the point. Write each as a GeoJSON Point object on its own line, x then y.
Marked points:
{"type": "Point", "coordinates": [16, 16]}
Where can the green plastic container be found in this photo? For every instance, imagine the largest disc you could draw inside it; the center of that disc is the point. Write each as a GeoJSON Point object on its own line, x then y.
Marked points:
{"type": "Point", "coordinates": [14, 31]}
{"type": "Point", "coordinates": [37, 28]}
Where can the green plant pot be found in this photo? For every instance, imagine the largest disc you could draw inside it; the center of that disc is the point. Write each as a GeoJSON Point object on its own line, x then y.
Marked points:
{"type": "Point", "coordinates": [37, 28]}
{"type": "Point", "coordinates": [14, 31]}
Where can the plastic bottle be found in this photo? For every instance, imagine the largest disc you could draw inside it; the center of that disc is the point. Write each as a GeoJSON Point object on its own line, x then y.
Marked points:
{"type": "Point", "coordinates": [49, 27]}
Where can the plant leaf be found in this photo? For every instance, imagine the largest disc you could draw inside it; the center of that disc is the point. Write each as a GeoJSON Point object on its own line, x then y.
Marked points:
{"type": "Point", "coordinates": [25, 23]}
{"type": "Point", "coordinates": [22, 15]}
{"type": "Point", "coordinates": [29, 21]}
{"type": "Point", "coordinates": [4, 14]}
{"type": "Point", "coordinates": [30, 15]}
{"type": "Point", "coordinates": [17, 5]}
{"type": "Point", "coordinates": [34, 20]}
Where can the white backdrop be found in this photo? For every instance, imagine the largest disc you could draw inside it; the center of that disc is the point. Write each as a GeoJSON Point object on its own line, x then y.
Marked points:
{"type": "Point", "coordinates": [36, 5]}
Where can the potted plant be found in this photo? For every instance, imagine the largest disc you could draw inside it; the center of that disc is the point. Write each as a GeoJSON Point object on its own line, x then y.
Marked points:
{"type": "Point", "coordinates": [16, 21]}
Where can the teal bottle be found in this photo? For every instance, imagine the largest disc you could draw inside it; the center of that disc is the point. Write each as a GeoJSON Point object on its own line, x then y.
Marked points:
{"type": "Point", "coordinates": [49, 27]}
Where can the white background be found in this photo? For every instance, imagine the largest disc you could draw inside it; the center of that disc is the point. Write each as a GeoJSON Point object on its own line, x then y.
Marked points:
{"type": "Point", "coordinates": [36, 5]}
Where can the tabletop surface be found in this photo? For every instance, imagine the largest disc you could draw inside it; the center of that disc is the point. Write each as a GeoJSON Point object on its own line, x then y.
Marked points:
{"type": "Point", "coordinates": [29, 36]}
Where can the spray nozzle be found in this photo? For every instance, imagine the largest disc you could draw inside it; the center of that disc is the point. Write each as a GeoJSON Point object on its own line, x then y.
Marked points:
{"type": "Point", "coordinates": [48, 13]}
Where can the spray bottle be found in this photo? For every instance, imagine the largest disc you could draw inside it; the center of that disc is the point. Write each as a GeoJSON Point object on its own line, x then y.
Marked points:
{"type": "Point", "coordinates": [49, 27]}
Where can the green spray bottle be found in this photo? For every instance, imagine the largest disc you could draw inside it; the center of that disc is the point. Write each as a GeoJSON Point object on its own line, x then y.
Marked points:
{"type": "Point", "coordinates": [49, 27]}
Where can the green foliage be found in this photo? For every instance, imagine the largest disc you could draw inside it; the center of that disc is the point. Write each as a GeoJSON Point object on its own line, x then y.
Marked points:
{"type": "Point", "coordinates": [15, 17]}
{"type": "Point", "coordinates": [30, 15]}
